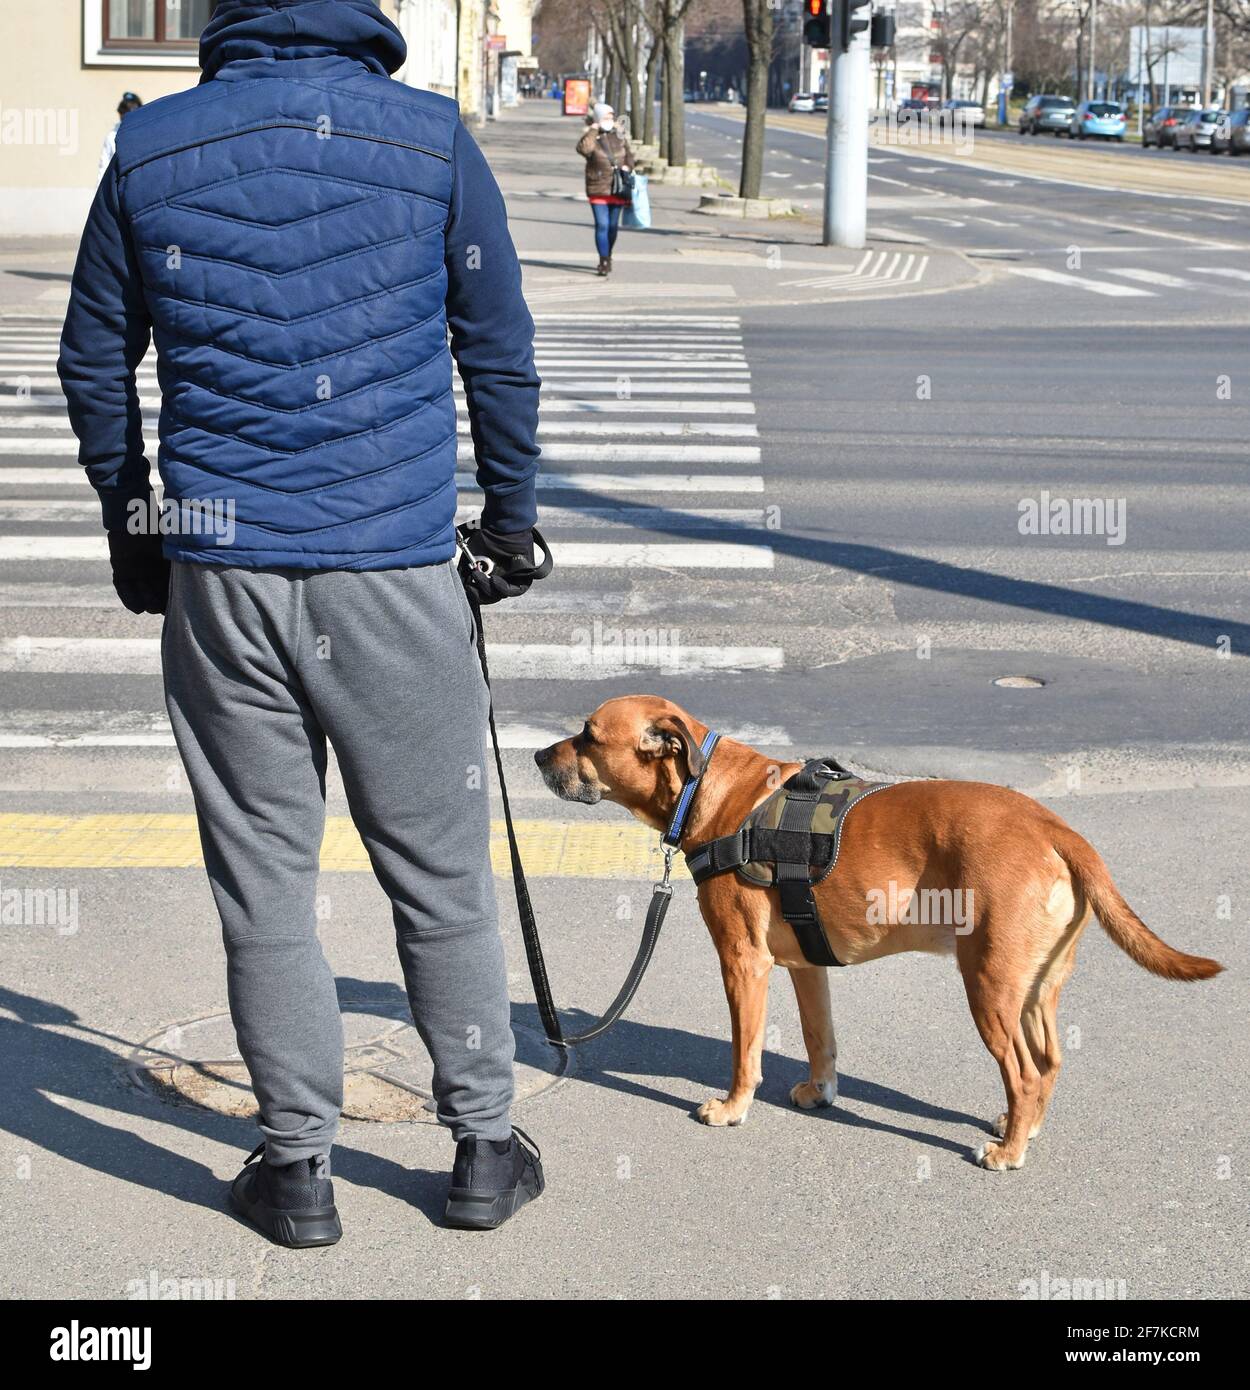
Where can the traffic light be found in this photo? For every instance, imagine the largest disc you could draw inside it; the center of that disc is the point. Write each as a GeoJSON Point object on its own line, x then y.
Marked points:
{"type": "Point", "coordinates": [850, 25]}
{"type": "Point", "coordinates": [818, 26]}
{"type": "Point", "coordinates": [882, 35]}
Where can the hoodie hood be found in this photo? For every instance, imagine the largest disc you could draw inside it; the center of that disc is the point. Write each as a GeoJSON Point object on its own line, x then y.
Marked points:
{"type": "Point", "coordinates": [277, 30]}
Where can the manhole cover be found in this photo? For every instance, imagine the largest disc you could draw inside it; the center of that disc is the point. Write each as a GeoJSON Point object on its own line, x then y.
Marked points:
{"type": "Point", "coordinates": [1019, 682]}
{"type": "Point", "coordinates": [386, 1073]}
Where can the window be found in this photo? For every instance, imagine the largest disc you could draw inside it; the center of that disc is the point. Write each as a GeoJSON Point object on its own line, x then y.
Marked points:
{"type": "Point", "coordinates": [144, 25]}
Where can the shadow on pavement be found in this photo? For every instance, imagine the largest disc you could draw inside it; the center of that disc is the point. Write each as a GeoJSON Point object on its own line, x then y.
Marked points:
{"type": "Point", "coordinates": [623, 1059]}
{"type": "Point", "coordinates": [938, 576]}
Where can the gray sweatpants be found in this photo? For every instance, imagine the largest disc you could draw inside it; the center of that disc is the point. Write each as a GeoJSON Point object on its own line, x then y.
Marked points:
{"type": "Point", "coordinates": [261, 667]}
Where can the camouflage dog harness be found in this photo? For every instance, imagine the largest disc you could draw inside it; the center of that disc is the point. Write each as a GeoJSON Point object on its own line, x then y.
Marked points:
{"type": "Point", "coordinates": [791, 842]}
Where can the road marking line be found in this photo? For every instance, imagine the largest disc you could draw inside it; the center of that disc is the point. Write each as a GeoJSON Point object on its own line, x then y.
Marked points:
{"type": "Point", "coordinates": [1220, 270]}
{"type": "Point", "coordinates": [636, 453]}
{"type": "Point", "coordinates": [549, 405]}
{"type": "Point", "coordinates": [551, 849]}
{"type": "Point", "coordinates": [584, 515]}
{"type": "Point", "coordinates": [466, 482]}
{"type": "Point", "coordinates": [1055, 277]}
{"type": "Point", "coordinates": [67, 447]}
{"type": "Point", "coordinates": [1150, 277]}
{"type": "Point", "coordinates": [575, 554]}
{"type": "Point", "coordinates": [141, 656]}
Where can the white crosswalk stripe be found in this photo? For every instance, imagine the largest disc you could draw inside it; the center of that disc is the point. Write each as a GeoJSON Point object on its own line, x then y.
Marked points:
{"type": "Point", "coordinates": [1226, 271]}
{"type": "Point", "coordinates": [1078, 282]}
{"type": "Point", "coordinates": [651, 468]}
{"type": "Point", "coordinates": [1151, 277]}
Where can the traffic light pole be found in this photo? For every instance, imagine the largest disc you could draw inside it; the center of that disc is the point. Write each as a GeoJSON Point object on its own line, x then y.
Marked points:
{"type": "Point", "coordinates": [846, 145]}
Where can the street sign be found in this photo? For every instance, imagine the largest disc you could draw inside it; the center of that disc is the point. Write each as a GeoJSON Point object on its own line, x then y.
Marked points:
{"type": "Point", "coordinates": [1007, 81]}
{"type": "Point", "coordinates": [496, 43]}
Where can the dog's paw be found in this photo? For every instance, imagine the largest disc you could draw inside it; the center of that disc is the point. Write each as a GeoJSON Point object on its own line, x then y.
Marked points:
{"type": "Point", "coordinates": [814, 1095]}
{"type": "Point", "coordinates": [992, 1156]}
{"type": "Point", "coordinates": [717, 1112]}
{"type": "Point", "coordinates": [999, 1127]}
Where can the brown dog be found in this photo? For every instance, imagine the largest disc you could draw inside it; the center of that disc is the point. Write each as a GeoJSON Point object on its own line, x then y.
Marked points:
{"type": "Point", "coordinates": [1030, 883]}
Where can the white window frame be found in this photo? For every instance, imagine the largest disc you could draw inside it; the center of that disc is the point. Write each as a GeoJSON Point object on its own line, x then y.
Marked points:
{"type": "Point", "coordinates": [95, 55]}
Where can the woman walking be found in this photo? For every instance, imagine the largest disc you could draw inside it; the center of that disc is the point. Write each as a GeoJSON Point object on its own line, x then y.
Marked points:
{"type": "Point", "coordinates": [605, 148]}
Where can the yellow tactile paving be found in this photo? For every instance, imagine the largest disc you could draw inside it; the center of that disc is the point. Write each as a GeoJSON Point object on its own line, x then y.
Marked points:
{"type": "Point", "coordinates": [550, 849]}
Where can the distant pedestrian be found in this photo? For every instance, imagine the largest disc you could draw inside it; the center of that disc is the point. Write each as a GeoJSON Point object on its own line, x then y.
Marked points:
{"type": "Point", "coordinates": [128, 103]}
{"type": "Point", "coordinates": [609, 178]}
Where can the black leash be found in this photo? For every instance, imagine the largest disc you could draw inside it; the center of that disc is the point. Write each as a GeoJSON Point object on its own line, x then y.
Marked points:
{"type": "Point", "coordinates": [661, 893]}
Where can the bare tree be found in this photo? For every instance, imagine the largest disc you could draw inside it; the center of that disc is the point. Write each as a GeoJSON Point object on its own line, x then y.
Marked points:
{"type": "Point", "coordinates": [959, 21]}
{"type": "Point", "coordinates": [672, 17]}
{"type": "Point", "coordinates": [757, 16]}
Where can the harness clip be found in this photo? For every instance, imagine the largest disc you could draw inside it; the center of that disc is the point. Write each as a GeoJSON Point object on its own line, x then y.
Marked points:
{"type": "Point", "coordinates": [664, 886]}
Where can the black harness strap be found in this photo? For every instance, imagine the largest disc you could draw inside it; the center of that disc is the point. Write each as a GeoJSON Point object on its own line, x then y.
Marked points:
{"type": "Point", "coordinates": [793, 849]}
{"type": "Point", "coordinates": [794, 882]}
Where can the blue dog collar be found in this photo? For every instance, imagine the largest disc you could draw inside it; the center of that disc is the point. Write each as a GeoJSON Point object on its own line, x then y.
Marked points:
{"type": "Point", "coordinates": [672, 836]}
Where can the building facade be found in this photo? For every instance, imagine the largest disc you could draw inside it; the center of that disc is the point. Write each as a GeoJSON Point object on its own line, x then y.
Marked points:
{"type": "Point", "coordinates": [65, 65]}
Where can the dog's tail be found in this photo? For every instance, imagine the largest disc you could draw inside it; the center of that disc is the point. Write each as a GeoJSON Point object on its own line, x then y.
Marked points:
{"type": "Point", "coordinates": [1118, 919]}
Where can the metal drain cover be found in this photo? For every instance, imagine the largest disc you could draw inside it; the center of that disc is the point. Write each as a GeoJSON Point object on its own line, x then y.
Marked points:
{"type": "Point", "coordinates": [1019, 682]}
{"type": "Point", "coordinates": [386, 1072]}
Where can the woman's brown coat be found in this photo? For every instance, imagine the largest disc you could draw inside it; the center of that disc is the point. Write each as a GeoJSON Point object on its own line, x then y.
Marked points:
{"type": "Point", "coordinates": [600, 149]}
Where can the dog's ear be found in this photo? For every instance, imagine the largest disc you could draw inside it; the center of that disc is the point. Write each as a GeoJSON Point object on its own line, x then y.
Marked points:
{"type": "Point", "coordinates": [669, 735]}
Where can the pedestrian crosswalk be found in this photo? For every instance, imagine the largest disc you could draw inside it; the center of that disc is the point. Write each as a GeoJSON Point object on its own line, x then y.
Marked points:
{"type": "Point", "coordinates": [1146, 282]}
{"type": "Point", "coordinates": [652, 470]}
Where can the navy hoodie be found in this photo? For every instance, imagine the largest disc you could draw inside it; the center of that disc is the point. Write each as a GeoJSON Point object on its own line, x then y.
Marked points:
{"type": "Point", "coordinates": [298, 234]}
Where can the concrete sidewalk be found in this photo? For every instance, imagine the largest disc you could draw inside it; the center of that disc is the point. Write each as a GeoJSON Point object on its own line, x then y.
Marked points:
{"type": "Point", "coordinates": [686, 259]}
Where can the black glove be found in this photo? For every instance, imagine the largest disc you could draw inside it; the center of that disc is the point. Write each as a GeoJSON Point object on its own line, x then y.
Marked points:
{"type": "Point", "coordinates": [140, 571]}
{"type": "Point", "coordinates": [505, 565]}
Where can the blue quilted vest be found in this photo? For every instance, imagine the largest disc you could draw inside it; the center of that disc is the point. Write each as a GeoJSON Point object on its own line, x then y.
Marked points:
{"type": "Point", "coordinates": [288, 219]}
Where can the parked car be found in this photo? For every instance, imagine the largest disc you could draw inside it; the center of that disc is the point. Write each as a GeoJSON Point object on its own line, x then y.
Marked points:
{"type": "Point", "coordinates": [1233, 133]}
{"type": "Point", "coordinates": [802, 101]}
{"type": "Point", "coordinates": [1050, 113]}
{"type": "Point", "coordinates": [970, 112]}
{"type": "Point", "coordinates": [1197, 131]}
{"type": "Point", "coordinates": [1105, 119]}
{"type": "Point", "coordinates": [822, 101]}
{"type": "Point", "coordinates": [913, 109]}
{"type": "Point", "coordinates": [1159, 128]}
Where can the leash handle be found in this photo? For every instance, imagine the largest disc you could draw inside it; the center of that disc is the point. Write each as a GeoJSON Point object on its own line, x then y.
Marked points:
{"type": "Point", "coordinates": [661, 895]}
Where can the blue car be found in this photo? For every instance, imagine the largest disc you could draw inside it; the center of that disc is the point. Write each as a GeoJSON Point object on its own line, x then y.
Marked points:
{"type": "Point", "coordinates": [1104, 118]}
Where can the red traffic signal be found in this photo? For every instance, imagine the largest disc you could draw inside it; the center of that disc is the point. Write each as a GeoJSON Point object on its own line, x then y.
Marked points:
{"type": "Point", "coordinates": [818, 26]}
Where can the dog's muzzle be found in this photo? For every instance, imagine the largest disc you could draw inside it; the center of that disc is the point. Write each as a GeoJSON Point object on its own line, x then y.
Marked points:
{"type": "Point", "coordinates": [565, 782]}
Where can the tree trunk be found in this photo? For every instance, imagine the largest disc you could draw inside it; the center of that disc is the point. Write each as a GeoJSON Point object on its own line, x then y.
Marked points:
{"type": "Point", "coordinates": [635, 99]}
{"type": "Point", "coordinates": [758, 20]}
{"type": "Point", "coordinates": [653, 73]}
{"type": "Point", "coordinates": [675, 65]}
{"type": "Point", "coordinates": [665, 96]}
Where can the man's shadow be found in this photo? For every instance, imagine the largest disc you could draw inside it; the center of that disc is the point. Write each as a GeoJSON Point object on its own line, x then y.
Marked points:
{"type": "Point", "coordinates": [54, 1060]}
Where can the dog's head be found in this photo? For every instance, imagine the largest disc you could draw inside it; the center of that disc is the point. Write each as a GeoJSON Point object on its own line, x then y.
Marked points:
{"type": "Point", "coordinates": [636, 750]}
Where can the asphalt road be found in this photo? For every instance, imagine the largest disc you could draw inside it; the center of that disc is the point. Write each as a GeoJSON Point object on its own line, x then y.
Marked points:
{"type": "Point", "coordinates": [846, 574]}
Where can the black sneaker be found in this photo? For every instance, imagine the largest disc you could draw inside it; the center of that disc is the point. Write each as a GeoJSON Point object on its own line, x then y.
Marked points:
{"type": "Point", "coordinates": [293, 1204]}
{"type": "Point", "coordinates": [491, 1180]}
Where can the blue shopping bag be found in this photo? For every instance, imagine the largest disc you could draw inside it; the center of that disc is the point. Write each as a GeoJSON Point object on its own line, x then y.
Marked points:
{"type": "Point", "coordinates": [638, 213]}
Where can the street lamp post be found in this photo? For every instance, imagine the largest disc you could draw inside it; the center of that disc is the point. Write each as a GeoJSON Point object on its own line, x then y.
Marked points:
{"type": "Point", "coordinates": [1090, 79]}
{"type": "Point", "coordinates": [1208, 54]}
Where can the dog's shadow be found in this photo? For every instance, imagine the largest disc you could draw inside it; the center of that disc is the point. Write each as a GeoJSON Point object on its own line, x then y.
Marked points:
{"type": "Point", "coordinates": [633, 1055]}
